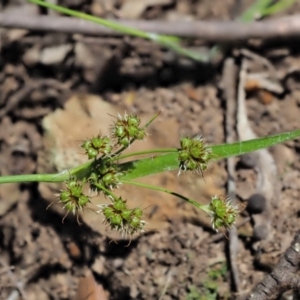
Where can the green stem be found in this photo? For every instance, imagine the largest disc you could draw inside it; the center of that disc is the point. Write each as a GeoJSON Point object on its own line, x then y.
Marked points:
{"type": "Point", "coordinates": [80, 171]}
{"type": "Point", "coordinates": [58, 177]}
{"type": "Point", "coordinates": [172, 42]}
{"type": "Point", "coordinates": [165, 150]}
{"type": "Point", "coordinates": [108, 192]}
{"type": "Point", "coordinates": [152, 119]}
{"type": "Point", "coordinates": [113, 25]}
{"type": "Point", "coordinates": [132, 140]}
{"type": "Point", "coordinates": [156, 188]}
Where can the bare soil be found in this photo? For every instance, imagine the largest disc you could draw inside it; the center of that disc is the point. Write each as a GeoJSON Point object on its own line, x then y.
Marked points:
{"type": "Point", "coordinates": [57, 89]}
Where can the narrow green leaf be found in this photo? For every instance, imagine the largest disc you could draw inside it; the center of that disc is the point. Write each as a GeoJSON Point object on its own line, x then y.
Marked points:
{"type": "Point", "coordinates": [263, 8]}
{"type": "Point", "coordinates": [171, 42]}
{"type": "Point", "coordinates": [255, 11]}
{"type": "Point", "coordinates": [278, 7]}
{"type": "Point", "coordinates": [169, 162]}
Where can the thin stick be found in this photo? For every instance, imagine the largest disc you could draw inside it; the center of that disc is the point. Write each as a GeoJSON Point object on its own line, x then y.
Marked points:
{"type": "Point", "coordinates": [229, 83]}
{"type": "Point", "coordinates": [219, 31]}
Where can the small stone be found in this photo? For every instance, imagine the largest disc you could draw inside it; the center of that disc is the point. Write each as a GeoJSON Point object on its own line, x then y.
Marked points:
{"type": "Point", "coordinates": [260, 232]}
{"type": "Point", "coordinates": [256, 204]}
{"type": "Point", "coordinates": [118, 263]}
{"type": "Point", "coordinates": [54, 55]}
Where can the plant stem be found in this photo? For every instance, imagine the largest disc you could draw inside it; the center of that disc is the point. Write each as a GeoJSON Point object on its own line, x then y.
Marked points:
{"type": "Point", "coordinates": [152, 119]}
{"type": "Point", "coordinates": [160, 163]}
{"type": "Point", "coordinates": [164, 150]}
{"type": "Point", "coordinates": [113, 25]}
{"type": "Point", "coordinates": [132, 140]}
{"type": "Point", "coordinates": [108, 192]}
{"type": "Point", "coordinates": [169, 41]}
{"type": "Point", "coordinates": [80, 172]}
{"type": "Point", "coordinates": [58, 177]}
{"type": "Point", "coordinates": [156, 188]}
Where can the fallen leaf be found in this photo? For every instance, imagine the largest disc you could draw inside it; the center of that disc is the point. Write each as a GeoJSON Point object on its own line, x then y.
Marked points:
{"type": "Point", "coordinates": [89, 289]}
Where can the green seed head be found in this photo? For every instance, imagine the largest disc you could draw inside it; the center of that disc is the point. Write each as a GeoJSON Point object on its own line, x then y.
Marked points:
{"type": "Point", "coordinates": [119, 131]}
{"type": "Point", "coordinates": [97, 142]}
{"type": "Point", "coordinates": [223, 213]}
{"type": "Point", "coordinates": [76, 191]}
{"type": "Point", "coordinates": [83, 200]}
{"type": "Point", "coordinates": [108, 178]}
{"type": "Point", "coordinates": [64, 196]}
{"type": "Point", "coordinates": [126, 214]}
{"type": "Point", "coordinates": [191, 165]}
{"type": "Point", "coordinates": [119, 205]}
{"type": "Point", "coordinates": [230, 219]}
{"type": "Point", "coordinates": [196, 152]}
{"type": "Point", "coordinates": [183, 155]}
{"type": "Point", "coordinates": [93, 177]}
{"type": "Point", "coordinates": [140, 135]}
{"type": "Point", "coordinates": [103, 168]}
{"type": "Point", "coordinates": [72, 183]}
{"type": "Point", "coordinates": [120, 218]}
{"type": "Point", "coordinates": [116, 220]}
{"type": "Point", "coordinates": [133, 121]}
{"type": "Point", "coordinates": [132, 131]}
{"type": "Point", "coordinates": [106, 149]}
{"type": "Point", "coordinates": [108, 212]}
{"type": "Point", "coordinates": [86, 144]}
{"type": "Point", "coordinates": [135, 222]}
{"type": "Point", "coordinates": [186, 142]}
{"type": "Point", "coordinates": [92, 153]}
{"type": "Point", "coordinates": [70, 207]}
{"type": "Point", "coordinates": [137, 212]}
{"type": "Point", "coordinates": [124, 141]}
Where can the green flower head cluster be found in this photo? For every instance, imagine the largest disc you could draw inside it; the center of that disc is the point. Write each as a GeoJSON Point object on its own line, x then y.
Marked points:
{"type": "Point", "coordinates": [72, 197]}
{"type": "Point", "coordinates": [96, 146]}
{"type": "Point", "coordinates": [223, 212]}
{"type": "Point", "coordinates": [107, 175]}
{"type": "Point", "coordinates": [118, 217]}
{"type": "Point", "coordinates": [127, 128]}
{"type": "Point", "coordinates": [194, 154]}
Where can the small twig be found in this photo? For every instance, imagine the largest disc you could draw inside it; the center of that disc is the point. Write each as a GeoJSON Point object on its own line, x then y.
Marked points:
{"type": "Point", "coordinates": [264, 165]}
{"type": "Point", "coordinates": [265, 83]}
{"type": "Point", "coordinates": [167, 283]}
{"type": "Point", "coordinates": [229, 87]}
{"type": "Point", "coordinates": [284, 27]}
{"type": "Point", "coordinates": [283, 277]}
{"type": "Point", "coordinates": [6, 269]}
{"type": "Point", "coordinates": [19, 285]}
{"type": "Point", "coordinates": [256, 57]}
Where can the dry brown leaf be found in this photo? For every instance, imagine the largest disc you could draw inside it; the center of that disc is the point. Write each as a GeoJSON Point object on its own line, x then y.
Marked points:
{"type": "Point", "coordinates": [89, 289]}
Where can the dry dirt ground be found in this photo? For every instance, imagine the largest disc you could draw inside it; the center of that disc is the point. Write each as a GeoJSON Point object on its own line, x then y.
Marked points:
{"type": "Point", "coordinates": [57, 89]}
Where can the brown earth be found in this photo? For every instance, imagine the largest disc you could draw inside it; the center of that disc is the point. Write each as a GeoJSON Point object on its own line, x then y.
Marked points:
{"type": "Point", "coordinates": [58, 89]}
